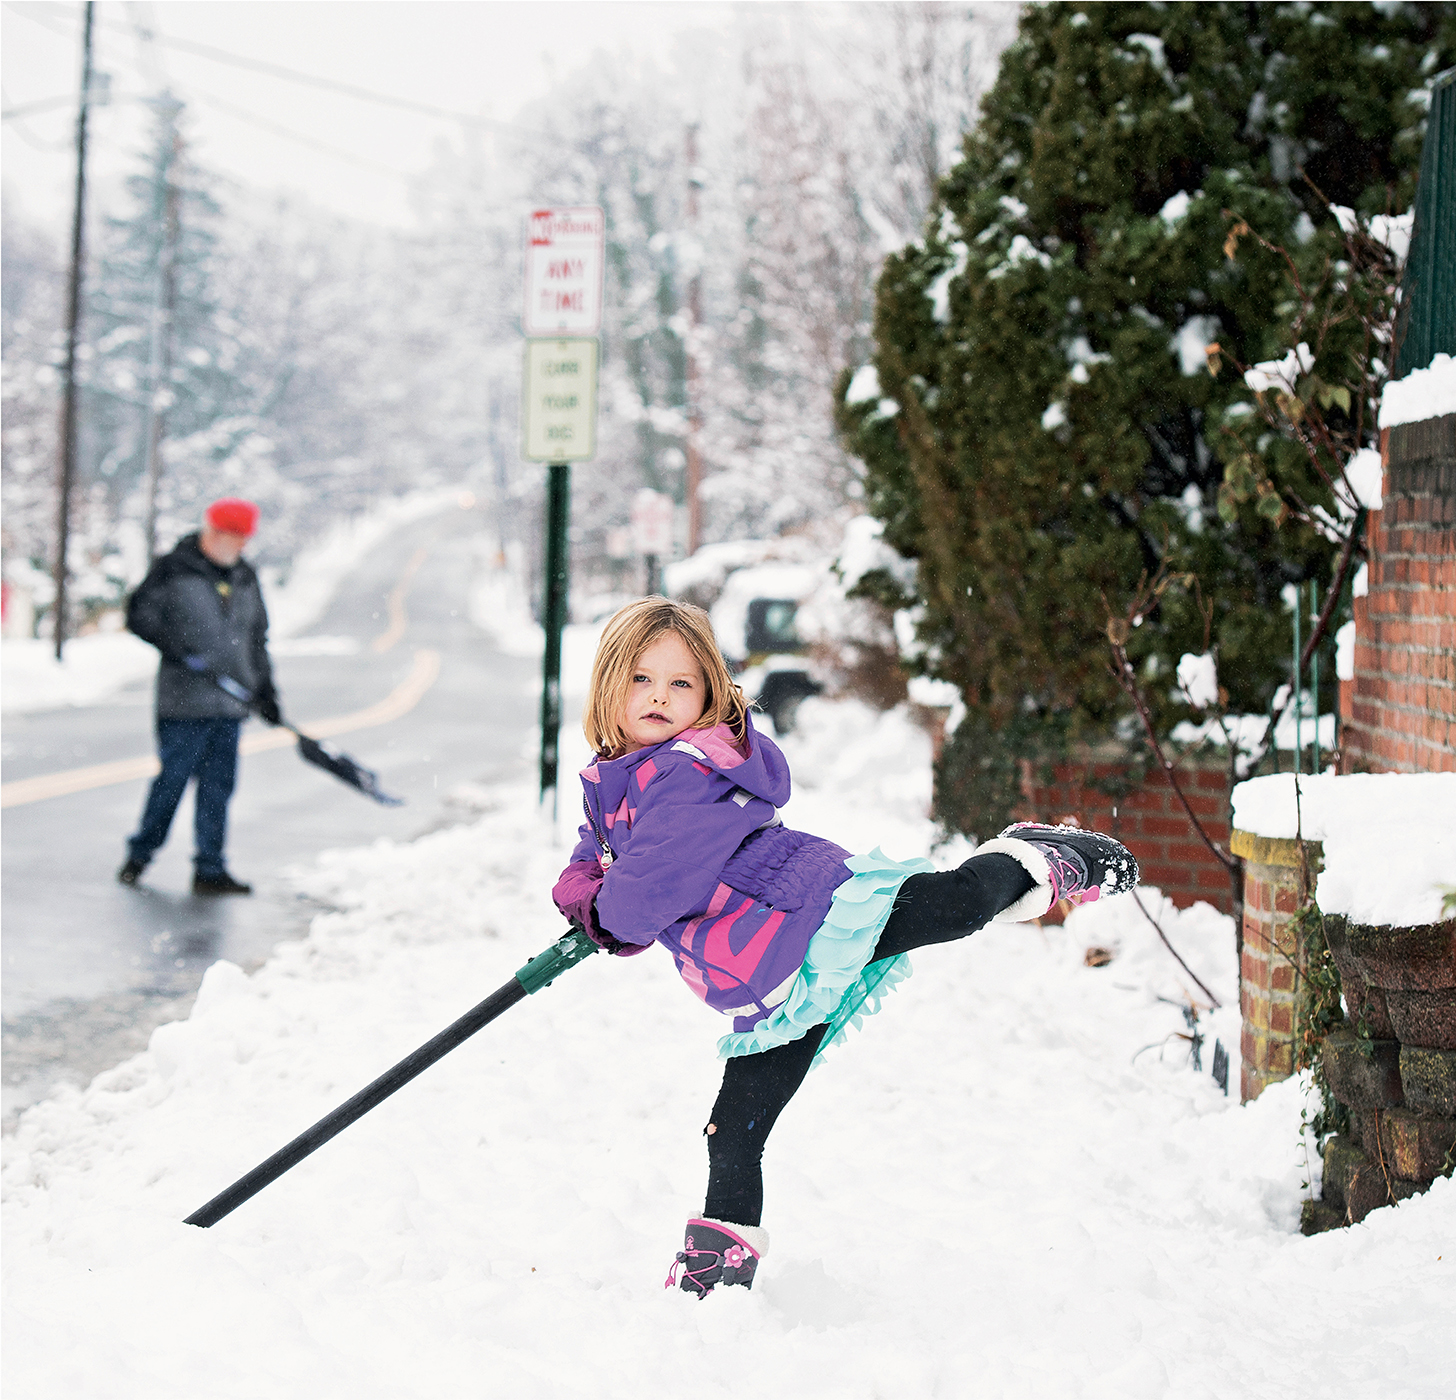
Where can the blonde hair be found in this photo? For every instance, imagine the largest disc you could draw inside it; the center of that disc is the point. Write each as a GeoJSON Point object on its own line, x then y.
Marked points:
{"type": "Point", "coordinates": [630, 632]}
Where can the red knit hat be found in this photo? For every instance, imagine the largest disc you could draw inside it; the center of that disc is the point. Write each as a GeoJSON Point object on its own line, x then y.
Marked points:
{"type": "Point", "coordinates": [232, 516]}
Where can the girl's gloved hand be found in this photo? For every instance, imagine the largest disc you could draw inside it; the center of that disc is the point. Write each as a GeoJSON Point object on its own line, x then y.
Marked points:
{"type": "Point", "coordinates": [605, 941]}
{"type": "Point", "coordinates": [575, 895]}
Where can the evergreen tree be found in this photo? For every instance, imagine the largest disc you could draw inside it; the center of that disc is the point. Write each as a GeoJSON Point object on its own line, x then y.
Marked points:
{"type": "Point", "coordinates": [31, 346]}
{"type": "Point", "coordinates": [1040, 427]}
{"type": "Point", "coordinates": [152, 313]}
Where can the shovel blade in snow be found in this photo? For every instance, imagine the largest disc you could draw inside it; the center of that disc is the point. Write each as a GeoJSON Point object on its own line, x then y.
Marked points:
{"type": "Point", "coordinates": [366, 780]}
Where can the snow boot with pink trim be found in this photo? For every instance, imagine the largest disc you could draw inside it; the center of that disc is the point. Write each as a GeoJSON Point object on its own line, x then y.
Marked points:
{"type": "Point", "coordinates": [1066, 862]}
{"type": "Point", "coordinates": [716, 1252]}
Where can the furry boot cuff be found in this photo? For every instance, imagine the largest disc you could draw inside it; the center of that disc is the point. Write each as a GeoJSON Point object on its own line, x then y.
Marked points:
{"type": "Point", "coordinates": [1037, 900]}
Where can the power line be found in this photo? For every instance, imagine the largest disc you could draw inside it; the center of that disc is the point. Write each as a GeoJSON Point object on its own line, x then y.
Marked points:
{"type": "Point", "coordinates": [348, 89]}
{"type": "Point", "coordinates": [242, 114]}
{"type": "Point", "coordinates": [150, 38]}
{"type": "Point", "coordinates": [45, 104]}
{"type": "Point", "coordinates": [36, 143]}
{"type": "Point", "coordinates": [146, 34]}
{"type": "Point", "coordinates": [293, 75]}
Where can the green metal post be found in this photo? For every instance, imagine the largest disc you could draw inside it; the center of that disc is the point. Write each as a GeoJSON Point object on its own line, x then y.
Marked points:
{"type": "Point", "coordinates": [1298, 684]}
{"type": "Point", "coordinates": [1314, 679]}
{"type": "Point", "coordinates": [1427, 323]}
{"type": "Point", "coordinates": [558, 511]}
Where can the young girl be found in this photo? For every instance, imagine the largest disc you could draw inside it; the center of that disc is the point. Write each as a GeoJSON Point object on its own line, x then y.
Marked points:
{"type": "Point", "coordinates": [787, 933]}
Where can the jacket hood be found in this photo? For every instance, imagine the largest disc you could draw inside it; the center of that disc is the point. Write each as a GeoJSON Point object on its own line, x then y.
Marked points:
{"type": "Point", "coordinates": [764, 772]}
{"type": "Point", "coordinates": [187, 553]}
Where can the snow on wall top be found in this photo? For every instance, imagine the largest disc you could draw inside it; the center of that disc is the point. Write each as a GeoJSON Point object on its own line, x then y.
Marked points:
{"type": "Point", "coordinates": [1423, 393]}
{"type": "Point", "coordinates": [1389, 838]}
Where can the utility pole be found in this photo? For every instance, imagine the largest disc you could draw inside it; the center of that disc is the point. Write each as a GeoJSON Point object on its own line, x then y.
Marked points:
{"type": "Point", "coordinates": [73, 318]}
{"type": "Point", "coordinates": [695, 314]}
{"type": "Point", "coordinates": [166, 204]}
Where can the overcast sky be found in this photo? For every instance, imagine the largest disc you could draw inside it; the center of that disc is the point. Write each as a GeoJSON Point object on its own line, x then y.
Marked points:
{"type": "Point", "coordinates": [467, 56]}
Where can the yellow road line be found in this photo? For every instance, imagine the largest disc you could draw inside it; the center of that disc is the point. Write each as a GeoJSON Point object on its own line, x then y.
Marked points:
{"type": "Point", "coordinates": [402, 699]}
{"type": "Point", "coordinates": [398, 618]}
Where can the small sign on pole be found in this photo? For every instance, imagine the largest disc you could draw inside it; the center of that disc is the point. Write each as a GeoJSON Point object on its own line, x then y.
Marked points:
{"type": "Point", "coordinates": [653, 518]}
{"type": "Point", "coordinates": [564, 257]}
{"type": "Point", "coordinates": [560, 400]}
{"type": "Point", "coordinates": [652, 521]}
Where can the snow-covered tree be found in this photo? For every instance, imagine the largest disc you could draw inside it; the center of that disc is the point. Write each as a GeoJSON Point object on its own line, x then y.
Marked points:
{"type": "Point", "coordinates": [31, 314]}
{"type": "Point", "coordinates": [1039, 423]}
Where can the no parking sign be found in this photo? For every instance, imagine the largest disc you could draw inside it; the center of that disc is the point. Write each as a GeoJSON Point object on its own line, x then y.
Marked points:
{"type": "Point", "coordinates": [564, 256]}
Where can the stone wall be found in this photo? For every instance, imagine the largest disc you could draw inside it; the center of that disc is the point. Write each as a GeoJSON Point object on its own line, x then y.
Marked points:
{"type": "Point", "coordinates": [1393, 1068]}
{"type": "Point", "coordinates": [1399, 712]}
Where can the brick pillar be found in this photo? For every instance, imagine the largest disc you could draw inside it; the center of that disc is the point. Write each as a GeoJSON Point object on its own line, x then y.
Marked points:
{"type": "Point", "coordinates": [1400, 713]}
{"type": "Point", "coordinates": [1269, 973]}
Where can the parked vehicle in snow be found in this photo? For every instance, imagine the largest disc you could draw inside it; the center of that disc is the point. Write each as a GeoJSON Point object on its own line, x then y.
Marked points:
{"type": "Point", "coordinates": [775, 674]}
{"type": "Point", "coordinates": [755, 619]}
{"type": "Point", "coordinates": [787, 627]}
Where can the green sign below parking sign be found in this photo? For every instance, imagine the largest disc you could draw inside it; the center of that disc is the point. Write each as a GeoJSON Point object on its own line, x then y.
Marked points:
{"type": "Point", "coordinates": [559, 400]}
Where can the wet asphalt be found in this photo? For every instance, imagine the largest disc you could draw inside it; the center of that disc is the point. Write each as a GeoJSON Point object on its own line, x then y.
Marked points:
{"type": "Point", "coordinates": [91, 967]}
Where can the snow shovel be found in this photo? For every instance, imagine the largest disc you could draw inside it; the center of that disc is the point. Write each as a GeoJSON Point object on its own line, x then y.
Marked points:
{"type": "Point", "coordinates": [365, 780]}
{"type": "Point", "coordinates": [540, 972]}
{"type": "Point", "coordinates": [342, 767]}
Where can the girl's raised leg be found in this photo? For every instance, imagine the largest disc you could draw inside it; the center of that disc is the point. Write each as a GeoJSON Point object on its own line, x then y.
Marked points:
{"type": "Point", "coordinates": [1019, 875]}
{"type": "Point", "coordinates": [948, 904]}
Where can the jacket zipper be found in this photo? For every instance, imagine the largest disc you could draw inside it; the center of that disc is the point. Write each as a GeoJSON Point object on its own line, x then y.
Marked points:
{"type": "Point", "coordinates": [607, 856]}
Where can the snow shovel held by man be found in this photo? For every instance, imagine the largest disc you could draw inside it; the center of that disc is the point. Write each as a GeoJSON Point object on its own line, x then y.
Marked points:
{"type": "Point", "coordinates": [365, 780]}
{"type": "Point", "coordinates": [540, 972]}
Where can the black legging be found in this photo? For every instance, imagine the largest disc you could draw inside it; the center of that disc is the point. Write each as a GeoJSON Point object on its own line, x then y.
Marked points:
{"type": "Point", "coordinates": [931, 908]}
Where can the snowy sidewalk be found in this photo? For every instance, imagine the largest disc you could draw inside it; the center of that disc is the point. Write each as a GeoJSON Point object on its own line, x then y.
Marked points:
{"type": "Point", "coordinates": [986, 1192]}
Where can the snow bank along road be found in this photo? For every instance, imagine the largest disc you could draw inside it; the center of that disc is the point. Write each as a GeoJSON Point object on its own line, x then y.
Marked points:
{"type": "Point", "coordinates": [417, 692]}
{"type": "Point", "coordinates": [992, 1190]}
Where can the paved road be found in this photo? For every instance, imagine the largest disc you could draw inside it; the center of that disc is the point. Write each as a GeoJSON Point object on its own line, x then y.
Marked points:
{"type": "Point", "coordinates": [91, 967]}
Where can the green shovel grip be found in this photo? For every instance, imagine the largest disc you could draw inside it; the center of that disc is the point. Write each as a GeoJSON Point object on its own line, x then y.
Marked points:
{"type": "Point", "coordinates": [545, 967]}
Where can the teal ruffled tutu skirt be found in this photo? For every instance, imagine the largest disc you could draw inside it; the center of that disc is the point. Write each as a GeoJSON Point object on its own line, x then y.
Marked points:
{"type": "Point", "coordinates": [838, 983]}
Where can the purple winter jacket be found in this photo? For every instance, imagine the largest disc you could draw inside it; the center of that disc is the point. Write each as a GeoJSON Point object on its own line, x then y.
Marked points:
{"type": "Point", "coordinates": [701, 865]}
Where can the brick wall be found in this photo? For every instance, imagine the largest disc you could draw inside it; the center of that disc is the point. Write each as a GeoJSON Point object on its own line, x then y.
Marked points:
{"type": "Point", "coordinates": [1148, 819]}
{"type": "Point", "coordinates": [1399, 711]}
{"type": "Point", "coordinates": [1273, 884]}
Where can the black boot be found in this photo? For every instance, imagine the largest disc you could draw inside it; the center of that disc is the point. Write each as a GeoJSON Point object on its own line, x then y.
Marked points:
{"type": "Point", "coordinates": [219, 884]}
{"type": "Point", "coordinates": [131, 872]}
{"type": "Point", "coordinates": [1066, 862]}
{"type": "Point", "coordinates": [716, 1252]}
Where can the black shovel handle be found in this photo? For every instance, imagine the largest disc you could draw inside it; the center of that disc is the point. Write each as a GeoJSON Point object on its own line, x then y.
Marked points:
{"type": "Point", "coordinates": [540, 972]}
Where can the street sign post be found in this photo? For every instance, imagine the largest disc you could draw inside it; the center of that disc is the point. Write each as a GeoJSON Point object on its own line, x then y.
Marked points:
{"type": "Point", "coordinates": [652, 521]}
{"type": "Point", "coordinates": [559, 398]}
{"type": "Point", "coordinates": [564, 257]}
{"type": "Point", "coordinates": [558, 513]}
{"type": "Point", "coordinates": [565, 253]}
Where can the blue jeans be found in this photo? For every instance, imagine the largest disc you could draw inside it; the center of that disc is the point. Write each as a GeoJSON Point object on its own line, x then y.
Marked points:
{"type": "Point", "coordinates": [208, 750]}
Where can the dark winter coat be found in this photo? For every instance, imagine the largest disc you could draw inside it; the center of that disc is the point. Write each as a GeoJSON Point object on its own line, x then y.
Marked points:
{"type": "Point", "coordinates": [700, 865]}
{"type": "Point", "coordinates": [189, 606]}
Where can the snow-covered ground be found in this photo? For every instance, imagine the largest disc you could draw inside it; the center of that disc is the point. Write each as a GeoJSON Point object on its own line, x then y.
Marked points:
{"type": "Point", "coordinates": [101, 663]}
{"type": "Point", "coordinates": [1009, 1183]}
